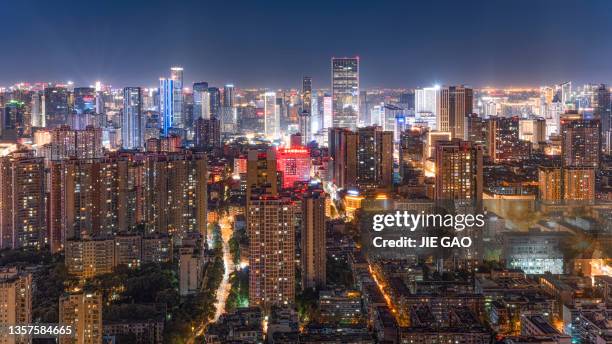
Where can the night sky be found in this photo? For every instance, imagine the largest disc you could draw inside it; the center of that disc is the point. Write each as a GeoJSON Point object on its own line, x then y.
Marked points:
{"type": "Point", "coordinates": [273, 43]}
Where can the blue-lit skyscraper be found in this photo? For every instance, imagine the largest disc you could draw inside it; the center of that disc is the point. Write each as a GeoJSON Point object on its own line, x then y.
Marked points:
{"type": "Point", "coordinates": [132, 120]}
{"type": "Point", "coordinates": [166, 104]}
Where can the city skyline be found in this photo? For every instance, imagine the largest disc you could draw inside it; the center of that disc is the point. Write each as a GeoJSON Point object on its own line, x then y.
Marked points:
{"type": "Point", "coordinates": [132, 44]}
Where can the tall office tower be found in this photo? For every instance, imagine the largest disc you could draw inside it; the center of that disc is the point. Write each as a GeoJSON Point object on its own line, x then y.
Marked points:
{"type": "Point", "coordinates": [455, 102]}
{"type": "Point", "coordinates": [55, 106]}
{"type": "Point", "coordinates": [82, 311]}
{"type": "Point", "coordinates": [13, 123]}
{"type": "Point", "coordinates": [271, 116]}
{"type": "Point", "coordinates": [15, 301]}
{"type": "Point", "coordinates": [459, 174]}
{"type": "Point", "coordinates": [175, 194]}
{"type": "Point", "coordinates": [307, 94]}
{"type": "Point", "coordinates": [532, 130]}
{"type": "Point", "coordinates": [550, 183]}
{"type": "Point", "coordinates": [132, 120]}
{"type": "Point", "coordinates": [426, 102]}
{"type": "Point", "coordinates": [565, 90]}
{"type": "Point", "coordinates": [200, 91]}
{"type": "Point", "coordinates": [262, 177]}
{"type": "Point", "coordinates": [38, 120]}
{"type": "Point", "coordinates": [314, 254]}
{"type": "Point", "coordinates": [345, 92]}
{"type": "Point", "coordinates": [176, 75]}
{"type": "Point", "coordinates": [228, 117]}
{"type": "Point", "coordinates": [343, 149]}
{"type": "Point", "coordinates": [579, 183]}
{"type": "Point", "coordinates": [305, 119]}
{"type": "Point", "coordinates": [229, 97]}
{"type": "Point", "coordinates": [84, 100]}
{"type": "Point", "coordinates": [81, 144]}
{"type": "Point", "coordinates": [207, 133]}
{"type": "Point", "coordinates": [166, 105]}
{"type": "Point", "coordinates": [22, 200]}
{"type": "Point", "coordinates": [214, 101]}
{"type": "Point", "coordinates": [328, 113]}
{"type": "Point", "coordinates": [374, 158]}
{"type": "Point", "coordinates": [294, 164]}
{"type": "Point", "coordinates": [581, 144]}
{"type": "Point", "coordinates": [271, 225]}
{"type": "Point", "coordinates": [603, 112]}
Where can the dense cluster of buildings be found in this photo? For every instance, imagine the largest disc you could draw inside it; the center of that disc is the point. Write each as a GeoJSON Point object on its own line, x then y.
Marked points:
{"type": "Point", "coordinates": [113, 178]}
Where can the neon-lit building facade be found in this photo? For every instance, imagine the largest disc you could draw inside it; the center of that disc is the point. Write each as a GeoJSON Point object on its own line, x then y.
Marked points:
{"type": "Point", "coordinates": [166, 104]}
{"type": "Point", "coordinates": [294, 164]}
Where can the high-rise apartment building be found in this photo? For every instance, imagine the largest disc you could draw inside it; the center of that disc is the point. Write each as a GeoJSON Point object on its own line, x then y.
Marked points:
{"type": "Point", "coordinates": [454, 104]}
{"type": "Point", "coordinates": [132, 120]}
{"type": "Point", "coordinates": [271, 225]}
{"type": "Point", "coordinates": [581, 145]}
{"type": "Point", "coordinates": [343, 149]}
{"type": "Point", "coordinates": [83, 312]}
{"type": "Point", "coordinates": [374, 158]}
{"type": "Point", "coordinates": [262, 175]}
{"type": "Point", "coordinates": [22, 200]}
{"type": "Point", "coordinates": [550, 183]}
{"type": "Point", "coordinates": [603, 112]}
{"type": "Point", "coordinates": [15, 302]}
{"type": "Point", "coordinates": [459, 174]}
{"type": "Point", "coordinates": [207, 133]}
{"type": "Point", "coordinates": [345, 92]}
{"type": "Point", "coordinates": [68, 143]}
{"type": "Point", "coordinates": [313, 255]}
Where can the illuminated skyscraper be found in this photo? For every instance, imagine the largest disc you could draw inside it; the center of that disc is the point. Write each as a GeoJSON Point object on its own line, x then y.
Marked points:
{"type": "Point", "coordinates": [306, 113]}
{"type": "Point", "coordinates": [228, 96]}
{"type": "Point", "coordinates": [345, 92]}
{"type": "Point", "coordinates": [166, 104]}
{"type": "Point", "coordinates": [22, 201]}
{"type": "Point", "coordinates": [271, 116]}
{"type": "Point", "coordinates": [459, 174]}
{"type": "Point", "coordinates": [579, 184]}
{"type": "Point", "coordinates": [214, 101]}
{"type": "Point", "coordinates": [132, 120]}
{"type": "Point", "coordinates": [294, 164]}
{"type": "Point", "coordinates": [313, 255]}
{"type": "Point", "coordinates": [455, 103]}
{"type": "Point", "coordinates": [199, 92]}
{"type": "Point", "coordinates": [176, 75]}
{"type": "Point", "coordinates": [37, 115]}
{"type": "Point", "coordinates": [13, 122]}
{"type": "Point", "coordinates": [271, 225]}
{"type": "Point", "coordinates": [327, 112]}
{"type": "Point", "coordinates": [426, 101]}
